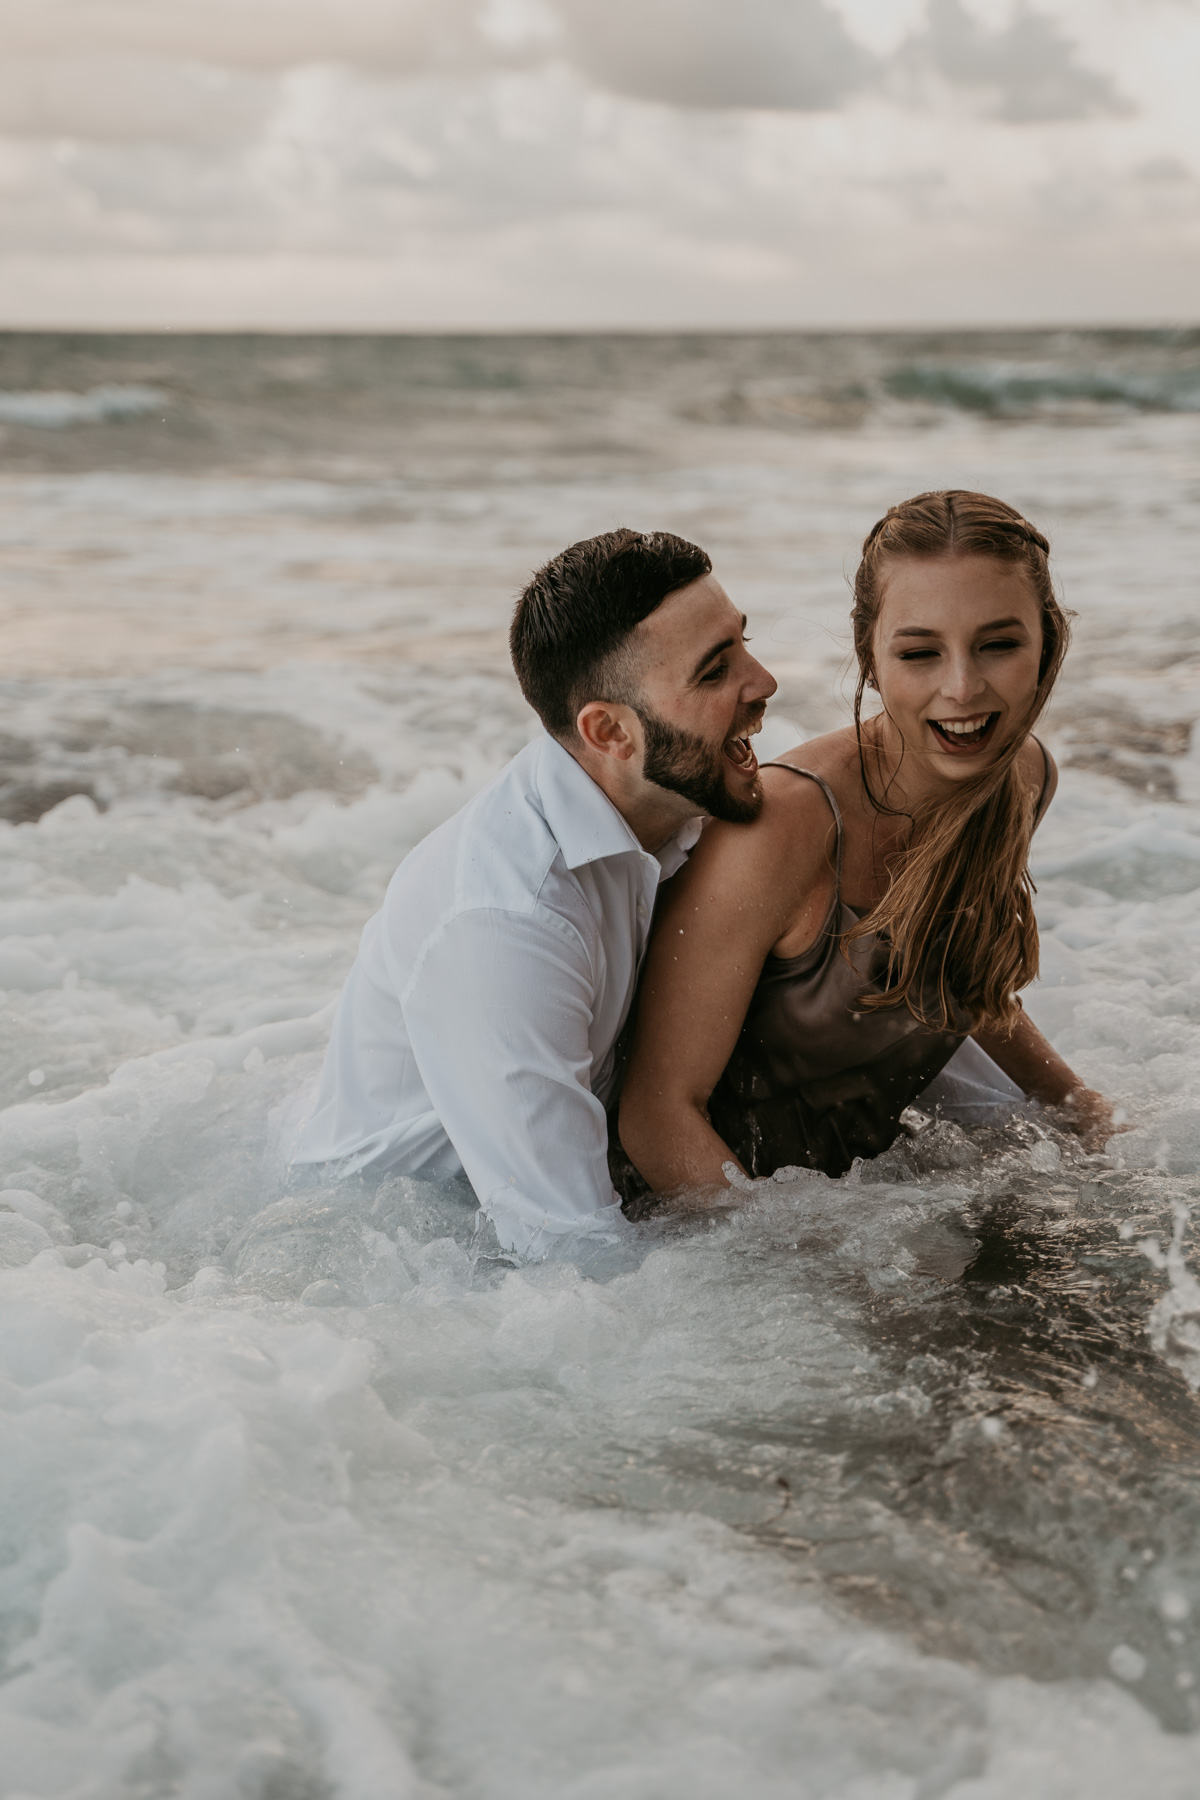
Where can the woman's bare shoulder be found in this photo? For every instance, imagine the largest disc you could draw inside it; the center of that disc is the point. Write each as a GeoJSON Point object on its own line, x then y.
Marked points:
{"type": "Point", "coordinates": [829, 755]}
{"type": "Point", "coordinates": [1033, 761]}
{"type": "Point", "coordinates": [833, 757]}
{"type": "Point", "coordinates": [1039, 771]}
{"type": "Point", "coordinates": [778, 846]}
{"type": "Point", "coordinates": [791, 829]}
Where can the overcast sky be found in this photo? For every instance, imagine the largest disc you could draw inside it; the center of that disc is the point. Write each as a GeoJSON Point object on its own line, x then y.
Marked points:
{"type": "Point", "coordinates": [376, 163]}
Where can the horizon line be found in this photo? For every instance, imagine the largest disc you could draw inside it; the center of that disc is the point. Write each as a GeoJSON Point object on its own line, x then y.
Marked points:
{"type": "Point", "coordinates": [906, 329]}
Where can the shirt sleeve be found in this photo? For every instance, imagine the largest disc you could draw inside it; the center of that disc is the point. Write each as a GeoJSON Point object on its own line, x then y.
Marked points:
{"type": "Point", "coordinates": [498, 1013]}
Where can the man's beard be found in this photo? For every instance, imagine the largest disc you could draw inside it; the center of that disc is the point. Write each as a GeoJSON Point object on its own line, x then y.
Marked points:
{"type": "Point", "coordinates": [687, 765]}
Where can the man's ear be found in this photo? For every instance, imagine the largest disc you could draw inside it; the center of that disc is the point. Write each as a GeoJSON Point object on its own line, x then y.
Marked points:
{"type": "Point", "coordinates": [607, 728]}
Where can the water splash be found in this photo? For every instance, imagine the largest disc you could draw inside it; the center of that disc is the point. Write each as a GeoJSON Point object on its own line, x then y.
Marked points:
{"type": "Point", "coordinates": [1174, 1323]}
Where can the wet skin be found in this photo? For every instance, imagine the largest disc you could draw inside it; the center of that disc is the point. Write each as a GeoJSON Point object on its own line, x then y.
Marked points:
{"type": "Point", "coordinates": [958, 642]}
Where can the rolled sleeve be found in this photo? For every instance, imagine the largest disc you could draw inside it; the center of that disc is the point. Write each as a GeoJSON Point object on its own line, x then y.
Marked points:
{"type": "Point", "coordinates": [498, 1012]}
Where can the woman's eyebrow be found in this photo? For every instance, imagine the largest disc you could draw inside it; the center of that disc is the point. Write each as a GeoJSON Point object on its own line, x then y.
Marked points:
{"type": "Point", "coordinates": [923, 631]}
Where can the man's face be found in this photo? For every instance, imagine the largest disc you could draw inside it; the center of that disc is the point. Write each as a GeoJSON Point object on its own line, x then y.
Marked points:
{"type": "Point", "coordinates": [701, 698]}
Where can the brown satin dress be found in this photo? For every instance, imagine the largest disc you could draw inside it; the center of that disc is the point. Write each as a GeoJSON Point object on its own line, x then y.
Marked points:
{"type": "Point", "coordinates": [814, 1081]}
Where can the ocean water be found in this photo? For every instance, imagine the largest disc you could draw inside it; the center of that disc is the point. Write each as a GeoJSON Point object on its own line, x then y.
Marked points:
{"type": "Point", "coordinates": [877, 1489]}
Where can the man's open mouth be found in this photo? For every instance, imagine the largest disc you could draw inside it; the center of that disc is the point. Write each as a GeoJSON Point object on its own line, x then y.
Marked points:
{"type": "Point", "coordinates": [740, 751]}
{"type": "Point", "coordinates": [963, 735]}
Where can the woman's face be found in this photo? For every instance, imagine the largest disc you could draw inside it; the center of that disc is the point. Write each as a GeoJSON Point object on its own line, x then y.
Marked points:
{"type": "Point", "coordinates": [957, 647]}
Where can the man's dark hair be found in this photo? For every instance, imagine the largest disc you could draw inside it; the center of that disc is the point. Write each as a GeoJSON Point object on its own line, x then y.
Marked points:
{"type": "Point", "coordinates": [573, 622]}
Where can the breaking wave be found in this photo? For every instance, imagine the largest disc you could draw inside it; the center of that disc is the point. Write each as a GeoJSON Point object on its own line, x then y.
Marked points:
{"type": "Point", "coordinates": [1016, 391]}
{"type": "Point", "coordinates": [54, 409]}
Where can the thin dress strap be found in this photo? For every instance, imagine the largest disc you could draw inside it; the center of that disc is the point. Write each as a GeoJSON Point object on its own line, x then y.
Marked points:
{"type": "Point", "coordinates": [834, 808]}
{"type": "Point", "coordinates": [1044, 797]}
{"type": "Point", "coordinates": [1048, 783]}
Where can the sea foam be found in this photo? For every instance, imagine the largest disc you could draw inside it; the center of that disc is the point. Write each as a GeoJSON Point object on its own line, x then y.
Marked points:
{"type": "Point", "coordinates": [861, 1489]}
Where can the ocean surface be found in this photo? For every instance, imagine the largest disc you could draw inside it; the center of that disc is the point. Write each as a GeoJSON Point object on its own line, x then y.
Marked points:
{"type": "Point", "coordinates": [885, 1488]}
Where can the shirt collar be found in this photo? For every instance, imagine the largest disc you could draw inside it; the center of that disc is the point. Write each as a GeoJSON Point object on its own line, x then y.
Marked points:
{"type": "Point", "coordinates": [674, 853]}
{"type": "Point", "coordinates": [584, 820]}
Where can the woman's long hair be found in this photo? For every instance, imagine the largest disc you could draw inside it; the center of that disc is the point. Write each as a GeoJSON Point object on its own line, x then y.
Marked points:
{"type": "Point", "coordinates": [958, 911]}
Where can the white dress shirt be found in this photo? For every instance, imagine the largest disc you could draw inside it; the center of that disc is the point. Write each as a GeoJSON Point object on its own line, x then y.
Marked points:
{"type": "Point", "coordinates": [475, 1031]}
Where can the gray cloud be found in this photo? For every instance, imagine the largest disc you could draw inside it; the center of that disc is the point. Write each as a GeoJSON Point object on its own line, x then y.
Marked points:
{"type": "Point", "coordinates": [207, 72]}
{"type": "Point", "coordinates": [466, 161]}
{"type": "Point", "coordinates": [195, 71]}
{"type": "Point", "coordinates": [266, 35]}
{"type": "Point", "coordinates": [789, 54]}
{"type": "Point", "coordinates": [114, 97]}
{"type": "Point", "coordinates": [412, 129]}
{"type": "Point", "coordinates": [1029, 71]}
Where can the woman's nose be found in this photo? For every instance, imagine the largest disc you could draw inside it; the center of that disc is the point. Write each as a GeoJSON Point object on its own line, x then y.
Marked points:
{"type": "Point", "coordinates": [963, 680]}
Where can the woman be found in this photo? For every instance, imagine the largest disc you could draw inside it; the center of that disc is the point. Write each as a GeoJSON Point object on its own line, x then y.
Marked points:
{"type": "Point", "coordinates": [811, 973]}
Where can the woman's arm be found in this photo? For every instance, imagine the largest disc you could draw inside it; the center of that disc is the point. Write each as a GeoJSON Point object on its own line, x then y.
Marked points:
{"type": "Point", "coordinates": [1024, 1054]}
{"type": "Point", "coordinates": [744, 887]}
{"type": "Point", "coordinates": [1028, 1059]}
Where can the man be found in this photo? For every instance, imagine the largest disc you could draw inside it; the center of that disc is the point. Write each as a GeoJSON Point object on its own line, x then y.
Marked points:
{"type": "Point", "coordinates": [476, 1029]}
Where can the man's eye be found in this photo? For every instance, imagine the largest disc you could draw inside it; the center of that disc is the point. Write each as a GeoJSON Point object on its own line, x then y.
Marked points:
{"type": "Point", "coordinates": [716, 673]}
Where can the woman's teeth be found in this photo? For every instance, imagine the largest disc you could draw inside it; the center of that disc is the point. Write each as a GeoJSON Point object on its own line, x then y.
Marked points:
{"type": "Point", "coordinates": [964, 730]}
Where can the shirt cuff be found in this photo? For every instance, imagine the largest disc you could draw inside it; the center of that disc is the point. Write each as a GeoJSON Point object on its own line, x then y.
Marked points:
{"type": "Point", "coordinates": [528, 1230]}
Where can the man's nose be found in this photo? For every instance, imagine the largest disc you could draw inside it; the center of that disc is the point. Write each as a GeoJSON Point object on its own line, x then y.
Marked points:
{"type": "Point", "coordinates": [760, 683]}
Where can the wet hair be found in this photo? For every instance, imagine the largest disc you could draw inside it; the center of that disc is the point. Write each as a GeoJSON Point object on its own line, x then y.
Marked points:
{"type": "Point", "coordinates": [572, 625]}
{"type": "Point", "coordinates": [958, 911]}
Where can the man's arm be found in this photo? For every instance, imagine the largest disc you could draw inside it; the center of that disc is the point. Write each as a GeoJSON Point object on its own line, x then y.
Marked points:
{"type": "Point", "coordinates": [498, 1014]}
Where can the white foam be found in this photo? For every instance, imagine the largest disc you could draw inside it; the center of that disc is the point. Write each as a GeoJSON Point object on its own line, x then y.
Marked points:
{"type": "Point", "coordinates": [52, 409]}
{"type": "Point", "coordinates": [306, 1491]}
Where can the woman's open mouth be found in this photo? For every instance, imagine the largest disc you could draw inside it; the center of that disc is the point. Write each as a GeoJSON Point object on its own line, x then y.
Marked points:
{"type": "Point", "coordinates": [962, 736]}
{"type": "Point", "coordinates": [740, 751]}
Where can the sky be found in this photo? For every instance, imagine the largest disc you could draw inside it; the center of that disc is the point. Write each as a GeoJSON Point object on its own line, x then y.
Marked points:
{"type": "Point", "coordinates": [484, 164]}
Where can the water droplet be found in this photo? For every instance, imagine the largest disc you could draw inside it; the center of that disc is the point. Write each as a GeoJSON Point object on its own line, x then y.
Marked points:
{"type": "Point", "coordinates": [322, 1293]}
{"type": "Point", "coordinates": [1126, 1663]}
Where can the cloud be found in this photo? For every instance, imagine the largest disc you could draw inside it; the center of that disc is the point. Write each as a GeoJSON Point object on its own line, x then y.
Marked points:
{"type": "Point", "coordinates": [790, 54]}
{"type": "Point", "coordinates": [189, 69]}
{"type": "Point", "coordinates": [262, 35]}
{"type": "Point", "coordinates": [1028, 71]}
{"type": "Point", "coordinates": [579, 160]}
{"type": "Point", "coordinates": [123, 97]}
{"type": "Point", "coordinates": [706, 53]}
